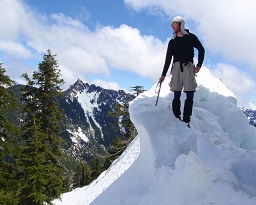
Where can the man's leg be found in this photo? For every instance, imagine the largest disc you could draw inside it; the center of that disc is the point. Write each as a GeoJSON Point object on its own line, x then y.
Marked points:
{"type": "Point", "coordinates": [176, 104]}
{"type": "Point", "coordinates": [188, 106]}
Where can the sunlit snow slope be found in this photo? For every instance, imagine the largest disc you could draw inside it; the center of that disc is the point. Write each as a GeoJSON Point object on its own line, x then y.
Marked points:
{"type": "Point", "coordinates": [213, 162]}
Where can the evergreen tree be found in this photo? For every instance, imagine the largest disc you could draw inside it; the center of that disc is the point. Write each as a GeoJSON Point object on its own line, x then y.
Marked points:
{"type": "Point", "coordinates": [41, 154]}
{"type": "Point", "coordinates": [116, 149]}
{"type": "Point", "coordinates": [33, 165]}
{"type": "Point", "coordinates": [138, 89]}
{"type": "Point", "coordinates": [96, 168]}
{"type": "Point", "coordinates": [121, 113]}
{"type": "Point", "coordinates": [107, 163]}
{"type": "Point", "coordinates": [9, 183]}
{"type": "Point", "coordinates": [82, 175]}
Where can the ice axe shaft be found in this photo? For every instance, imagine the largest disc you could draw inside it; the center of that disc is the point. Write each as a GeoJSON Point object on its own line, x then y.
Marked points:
{"type": "Point", "coordinates": [158, 92]}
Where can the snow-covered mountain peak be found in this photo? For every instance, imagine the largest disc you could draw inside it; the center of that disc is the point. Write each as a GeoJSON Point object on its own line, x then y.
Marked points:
{"type": "Point", "coordinates": [78, 87]}
{"type": "Point", "coordinates": [88, 125]}
{"type": "Point", "coordinates": [213, 162]}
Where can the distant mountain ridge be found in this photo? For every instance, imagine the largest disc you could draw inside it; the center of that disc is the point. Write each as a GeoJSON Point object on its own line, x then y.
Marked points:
{"type": "Point", "coordinates": [88, 129]}
{"type": "Point", "coordinates": [250, 114]}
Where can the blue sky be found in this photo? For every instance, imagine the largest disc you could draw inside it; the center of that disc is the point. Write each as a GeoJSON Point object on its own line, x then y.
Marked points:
{"type": "Point", "coordinates": [122, 43]}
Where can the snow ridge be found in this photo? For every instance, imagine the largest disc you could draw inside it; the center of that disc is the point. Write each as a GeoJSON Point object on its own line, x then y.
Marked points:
{"type": "Point", "coordinates": [213, 162]}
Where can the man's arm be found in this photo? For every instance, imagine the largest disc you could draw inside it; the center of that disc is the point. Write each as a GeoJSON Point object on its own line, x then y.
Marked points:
{"type": "Point", "coordinates": [201, 51]}
{"type": "Point", "coordinates": [168, 58]}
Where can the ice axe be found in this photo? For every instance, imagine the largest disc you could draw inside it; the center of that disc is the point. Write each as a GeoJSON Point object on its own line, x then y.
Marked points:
{"type": "Point", "coordinates": [158, 92]}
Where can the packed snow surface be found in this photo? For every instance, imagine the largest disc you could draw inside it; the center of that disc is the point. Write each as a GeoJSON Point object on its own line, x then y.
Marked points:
{"type": "Point", "coordinates": [211, 163]}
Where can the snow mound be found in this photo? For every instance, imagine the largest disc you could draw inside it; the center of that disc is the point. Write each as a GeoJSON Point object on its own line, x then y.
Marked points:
{"type": "Point", "coordinates": [213, 162]}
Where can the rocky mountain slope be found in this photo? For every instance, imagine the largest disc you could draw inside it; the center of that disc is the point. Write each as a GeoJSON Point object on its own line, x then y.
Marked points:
{"type": "Point", "coordinates": [250, 114]}
{"type": "Point", "coordinates": [88, 129]}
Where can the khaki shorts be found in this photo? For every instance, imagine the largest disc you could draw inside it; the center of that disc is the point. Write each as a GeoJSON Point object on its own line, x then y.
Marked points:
{"type": "Point", "coordinates": [185, 79]}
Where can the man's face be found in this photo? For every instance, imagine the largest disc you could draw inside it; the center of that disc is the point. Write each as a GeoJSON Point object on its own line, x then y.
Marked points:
{"type": "Point", "coordinates": [176, 26]}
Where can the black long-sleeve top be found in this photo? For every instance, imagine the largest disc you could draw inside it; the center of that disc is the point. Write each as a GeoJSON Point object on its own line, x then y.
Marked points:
{"type": "Point", "coordinates": [182, 49]}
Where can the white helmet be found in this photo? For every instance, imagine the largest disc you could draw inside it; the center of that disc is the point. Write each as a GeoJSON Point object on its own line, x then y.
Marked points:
{"type": "Point", "coordinates": [181, 20]}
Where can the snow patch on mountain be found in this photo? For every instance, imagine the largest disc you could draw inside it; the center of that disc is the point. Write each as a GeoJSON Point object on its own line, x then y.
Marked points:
{"type": "Point", "coordinates": [89, 103]}
{"type": "Point", "coordinates": [77, 135]}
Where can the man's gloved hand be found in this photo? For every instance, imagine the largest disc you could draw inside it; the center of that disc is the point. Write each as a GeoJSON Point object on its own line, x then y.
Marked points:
{"type": "Point", "coordinates": [161, 79]}
{"type": "Point", "coordinates": [197, 68]}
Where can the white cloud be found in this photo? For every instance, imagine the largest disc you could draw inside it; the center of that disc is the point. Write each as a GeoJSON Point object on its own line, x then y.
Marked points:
{"type": "Point", "coordinates": [252, 106]}
{"type": "Point", "coordinates": [242, 84]}
{"type": "Point", "coordinates": [83, 14]}
{"type": "Point", "coordinates": [107, 85]}
{"type": "Point", "coordinates": [234, 78]}
{"type": "Point", "coordinates": [10, 16]}
{"type": "Point", "coordinates": [15, 49]}
{"type": "Point", "coordinates": [63, 20]}
{"type": "Point", "coordinates": [125, 48]}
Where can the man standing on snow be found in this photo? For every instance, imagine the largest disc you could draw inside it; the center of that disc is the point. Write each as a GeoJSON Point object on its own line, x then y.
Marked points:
{"type": "Point", "coordinates": [181, 48]}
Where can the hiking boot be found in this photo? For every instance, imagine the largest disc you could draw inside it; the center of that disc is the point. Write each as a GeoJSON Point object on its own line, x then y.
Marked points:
{"type": "Point", "coordinates": [188, 106]}
{"type": "Point", "coordinates": [176, 108]}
